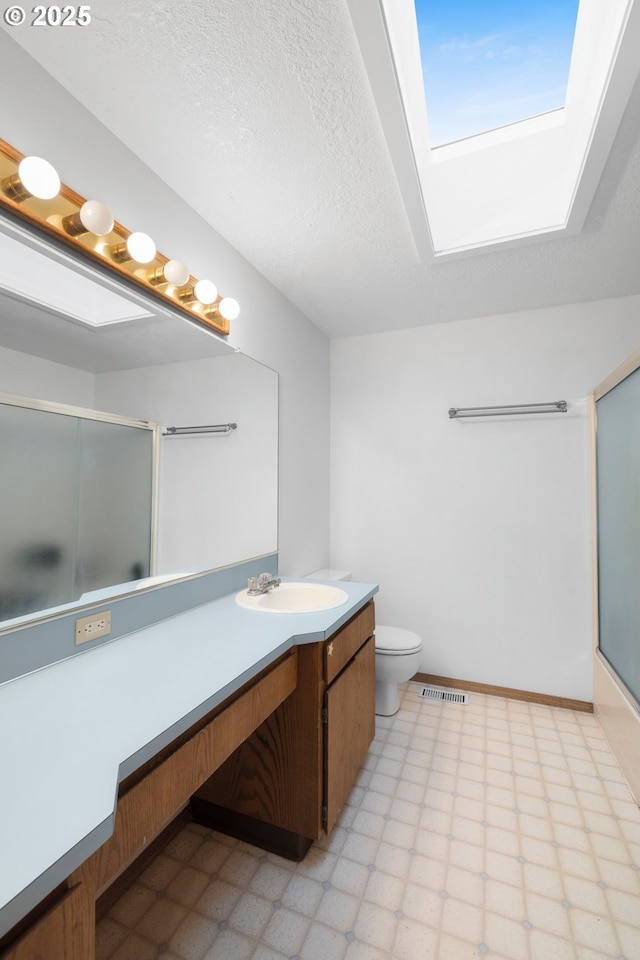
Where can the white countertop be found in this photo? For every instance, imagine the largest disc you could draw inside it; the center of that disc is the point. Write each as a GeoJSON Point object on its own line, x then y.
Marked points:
{"type": "Point", "coordinates": [73, 730]}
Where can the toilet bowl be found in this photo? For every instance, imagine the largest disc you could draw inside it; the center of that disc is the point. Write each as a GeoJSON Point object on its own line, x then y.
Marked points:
{"type": "Point", "coordinates": [397, 659]}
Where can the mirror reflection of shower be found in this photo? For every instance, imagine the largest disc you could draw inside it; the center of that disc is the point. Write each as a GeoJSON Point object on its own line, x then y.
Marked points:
{"type": "Point", "coordinates": [77, 504]}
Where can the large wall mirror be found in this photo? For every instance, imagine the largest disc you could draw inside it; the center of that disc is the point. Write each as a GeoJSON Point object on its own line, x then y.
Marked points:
{"type": "Point", "coordinates": [72, 334]}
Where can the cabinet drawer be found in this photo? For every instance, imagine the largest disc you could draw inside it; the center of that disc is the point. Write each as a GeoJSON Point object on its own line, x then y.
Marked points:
{"type": "Point", "coordinates": [344, 644]}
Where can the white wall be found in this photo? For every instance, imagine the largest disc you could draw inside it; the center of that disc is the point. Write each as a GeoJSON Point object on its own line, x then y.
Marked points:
{"type": "Point", "coordinates": [218, 494]}
{"type": "Point", "coordinates": [478, 531]}
{"type": "Point", "coordinates": [41, 118]}
{"type": "Point", "coordinates": [32, 377]}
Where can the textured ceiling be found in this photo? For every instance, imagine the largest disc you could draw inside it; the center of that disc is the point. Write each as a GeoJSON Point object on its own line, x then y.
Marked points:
{"type": "Point", "coordinates": [280, 148]}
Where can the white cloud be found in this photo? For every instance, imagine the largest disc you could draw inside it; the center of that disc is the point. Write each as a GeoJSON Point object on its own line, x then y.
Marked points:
{"type": "Point", "coordinates": [467, 43]}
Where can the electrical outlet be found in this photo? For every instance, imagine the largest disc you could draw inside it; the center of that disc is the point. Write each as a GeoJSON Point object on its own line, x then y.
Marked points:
{"type": "Point", "coordinates": [96, 625]}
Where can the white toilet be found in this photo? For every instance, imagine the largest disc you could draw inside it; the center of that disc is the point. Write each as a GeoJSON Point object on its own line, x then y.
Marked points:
{"type": "Point", "coordinates": [397, 659]}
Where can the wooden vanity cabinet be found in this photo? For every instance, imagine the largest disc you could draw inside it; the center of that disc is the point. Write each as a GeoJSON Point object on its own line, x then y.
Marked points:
{"type": "Point", "coordinates": [63, 926]}
{"type": "Point", "coordinates": [286, 749]}
{"type": "Point", "coordinates": [288, 782]}
{"type": "Point", "coordinates": [64, 929]}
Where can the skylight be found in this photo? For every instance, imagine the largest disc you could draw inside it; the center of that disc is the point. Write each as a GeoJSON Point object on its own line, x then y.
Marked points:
{"type": "Point", "coordinates": [521, 178]}
{"type": "Point", "coordinates": [489, 64]}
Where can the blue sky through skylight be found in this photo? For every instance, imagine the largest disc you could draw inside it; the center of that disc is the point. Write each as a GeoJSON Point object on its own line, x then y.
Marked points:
{"type": "Point", "coordinates": [487, 64]}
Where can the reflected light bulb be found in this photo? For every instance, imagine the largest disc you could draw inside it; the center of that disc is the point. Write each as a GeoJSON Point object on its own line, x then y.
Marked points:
{"type": "Point", "coordinates": [205, 291]}
{"type": "Point", "coordinates": [229, 308]}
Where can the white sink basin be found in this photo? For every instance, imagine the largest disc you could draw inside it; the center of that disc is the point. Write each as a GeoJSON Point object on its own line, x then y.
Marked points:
{"type": "Point", "coordinates": [294, 597]}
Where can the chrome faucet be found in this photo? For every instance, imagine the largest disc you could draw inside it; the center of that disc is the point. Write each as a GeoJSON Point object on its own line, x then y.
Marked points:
{"type": "Point", "coordinates": [261, 584]}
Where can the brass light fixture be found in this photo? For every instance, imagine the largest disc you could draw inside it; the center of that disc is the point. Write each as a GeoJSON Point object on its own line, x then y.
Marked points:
{"type": "Point", "coordinates": [30, 188]}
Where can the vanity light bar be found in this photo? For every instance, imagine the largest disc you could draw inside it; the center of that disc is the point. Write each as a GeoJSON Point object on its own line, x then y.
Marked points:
{"type": "Point", "coordinates": [30, 188]}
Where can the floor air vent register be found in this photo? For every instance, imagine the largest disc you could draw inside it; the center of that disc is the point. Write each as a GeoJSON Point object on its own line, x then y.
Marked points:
{"type": "Point", "coordinates": [448, 696]}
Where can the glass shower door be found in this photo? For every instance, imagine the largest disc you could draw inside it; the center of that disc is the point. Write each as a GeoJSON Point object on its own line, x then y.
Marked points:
{"type": "Point", "coordinates": [618, 506]}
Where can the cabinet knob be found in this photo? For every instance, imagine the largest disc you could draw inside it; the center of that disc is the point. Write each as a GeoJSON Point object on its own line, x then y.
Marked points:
{"type": "Point", "coordinates": [330, 649]}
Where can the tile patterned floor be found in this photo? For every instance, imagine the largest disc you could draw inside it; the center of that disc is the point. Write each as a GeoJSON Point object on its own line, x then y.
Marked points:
{"type": "Point", "coordinates": [499, 829]}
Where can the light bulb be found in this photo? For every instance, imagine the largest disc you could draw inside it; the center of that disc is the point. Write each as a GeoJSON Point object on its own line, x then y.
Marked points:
{"type": "Point", "coordinates": [92, 217]}
{"type": "Point", "coordinates": [205, 292]}
{"type": "Point", "coordinates": [173, 271]}
{"type": "Point", "coordinates": [39, 178]}
{"type": "Point", "coordinates": [176, 272]}
{"type": "Point", "coordinates": [96, 217]}
{"type": "Point", "coordinates": [229, 308]}
{"type": "Point", "coordinates": [35, 178]}
{"type": "Point", "coordinates": [138, 247]}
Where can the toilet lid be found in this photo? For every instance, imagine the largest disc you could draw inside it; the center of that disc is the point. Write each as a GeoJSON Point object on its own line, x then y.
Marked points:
{"type": "Point", "coordinates": [397, 640]}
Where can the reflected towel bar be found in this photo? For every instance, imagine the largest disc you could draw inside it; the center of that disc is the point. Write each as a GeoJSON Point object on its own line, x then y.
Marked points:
{"type": "Point", "coordinates": [557, 406]}
{"type": "Point", "coordinates": [219, 428]}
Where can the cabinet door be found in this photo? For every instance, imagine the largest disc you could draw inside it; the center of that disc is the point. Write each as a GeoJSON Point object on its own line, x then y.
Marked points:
{"type": "Point", "coordinates": [350, 706]}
